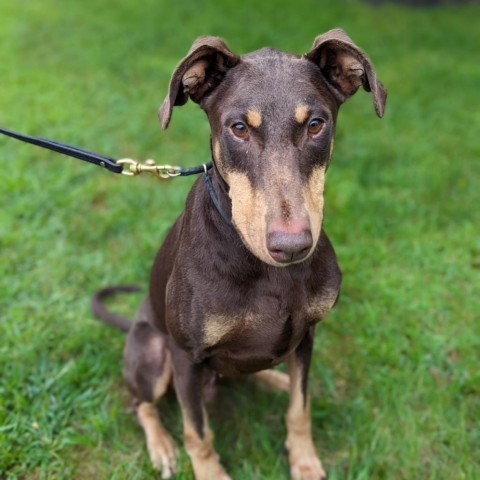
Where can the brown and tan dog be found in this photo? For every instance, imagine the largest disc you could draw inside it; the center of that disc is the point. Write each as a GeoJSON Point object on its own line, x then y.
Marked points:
{"type": "Point", "coordinates": [239, 298]}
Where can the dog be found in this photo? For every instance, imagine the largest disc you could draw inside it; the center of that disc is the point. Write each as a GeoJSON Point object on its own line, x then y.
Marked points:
{"type": "Point", "coordinates": [240, 282]}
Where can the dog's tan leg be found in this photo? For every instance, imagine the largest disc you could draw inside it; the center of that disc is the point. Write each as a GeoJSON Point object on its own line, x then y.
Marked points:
{"type": "Point", "coordinates": [273, 380]}
{"type": "Point", "coordinates": [304, 461]}
{"type": "Point", "coordinates": [205, 460]}
{"type": "Point", "coordinates": [161, 447]}
{"type": "Point", "coordinates": [198, 437]}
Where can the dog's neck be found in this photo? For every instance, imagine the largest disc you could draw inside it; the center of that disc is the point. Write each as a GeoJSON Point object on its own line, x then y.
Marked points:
{"type": "Point", "coordinates": [221, 189]}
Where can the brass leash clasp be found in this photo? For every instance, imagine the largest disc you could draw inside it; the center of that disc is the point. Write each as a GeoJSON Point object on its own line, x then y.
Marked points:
{"type": "Point", "coordinates": [133, 168]}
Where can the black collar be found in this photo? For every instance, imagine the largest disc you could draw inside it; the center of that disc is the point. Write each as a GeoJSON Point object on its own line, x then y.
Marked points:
{"type": "Point", "coordinates": [213, 195]}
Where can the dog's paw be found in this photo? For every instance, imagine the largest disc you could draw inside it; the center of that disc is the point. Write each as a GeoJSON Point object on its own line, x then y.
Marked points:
{"type": "Point", "coordinates": [307, 468]}
{"type": "Point", "coordinates": [305, 464]}
{"type": "Point", "coordinates": [163, 455]}
{"type": "Point", "coordinates": [210, 469]}
{"type": "Point", "coordinates": [219, 475]}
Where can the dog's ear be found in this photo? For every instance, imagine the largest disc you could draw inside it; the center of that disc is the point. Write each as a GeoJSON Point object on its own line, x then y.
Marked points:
{"type": "Point", "coordinates": [346, 67]}
{"type": "Point", "coordinates": [197, 74]}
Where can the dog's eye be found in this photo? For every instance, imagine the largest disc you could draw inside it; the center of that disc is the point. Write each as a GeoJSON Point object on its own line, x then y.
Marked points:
{"type": "Point", "coordinates": [240, 130]}
{"type": "Point", "coordinates": [315, 126]}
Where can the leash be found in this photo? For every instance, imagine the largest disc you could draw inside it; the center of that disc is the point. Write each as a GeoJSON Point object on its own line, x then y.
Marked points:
{"type": "Point", "coordinates": [125, 166]}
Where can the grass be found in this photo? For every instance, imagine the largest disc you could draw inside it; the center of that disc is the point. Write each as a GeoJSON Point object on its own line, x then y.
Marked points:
{"type": "Point", "coordinates": [395, 379]}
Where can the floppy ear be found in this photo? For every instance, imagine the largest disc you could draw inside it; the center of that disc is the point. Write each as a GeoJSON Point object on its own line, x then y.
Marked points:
{"type": "Point", "coordinates": [346, 67]}
{"type": "Point", "coordinates": [197, 74]}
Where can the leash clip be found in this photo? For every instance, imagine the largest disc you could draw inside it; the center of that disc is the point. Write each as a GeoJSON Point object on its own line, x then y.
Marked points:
{"type": "Point", "coordinates": [136, 168]}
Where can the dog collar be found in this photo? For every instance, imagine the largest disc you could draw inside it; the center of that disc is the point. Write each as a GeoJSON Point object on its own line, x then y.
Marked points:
{"type": "Point", "coordinates": [213, 195]}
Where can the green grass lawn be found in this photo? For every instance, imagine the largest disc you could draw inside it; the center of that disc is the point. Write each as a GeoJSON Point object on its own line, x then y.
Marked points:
{"type": "Point", "coordinates": [396, 377]}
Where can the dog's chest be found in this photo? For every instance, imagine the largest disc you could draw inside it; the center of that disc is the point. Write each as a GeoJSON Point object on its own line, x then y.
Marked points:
{"type": "Point", "coordinates": [260, 335]}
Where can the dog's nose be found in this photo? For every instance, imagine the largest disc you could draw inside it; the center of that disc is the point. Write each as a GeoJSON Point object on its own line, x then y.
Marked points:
{"type": "Point", "coordinates": [289, 246]}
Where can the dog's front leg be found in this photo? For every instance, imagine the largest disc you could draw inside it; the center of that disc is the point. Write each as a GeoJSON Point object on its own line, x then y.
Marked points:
{"type": "Point", "coordinates": [198, 437]}
{"type": "Point", "coordinates": [304, 461]}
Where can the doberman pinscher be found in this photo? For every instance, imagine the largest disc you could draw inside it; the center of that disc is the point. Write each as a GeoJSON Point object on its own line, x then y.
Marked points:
{"type": "Point", "coordinates": [240, 296]}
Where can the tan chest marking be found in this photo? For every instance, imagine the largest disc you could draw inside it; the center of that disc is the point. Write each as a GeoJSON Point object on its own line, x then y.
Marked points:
{"type": "Point", "coordinates": [321, 305]}
{"type": "Point", "coordinates": [217, 327]}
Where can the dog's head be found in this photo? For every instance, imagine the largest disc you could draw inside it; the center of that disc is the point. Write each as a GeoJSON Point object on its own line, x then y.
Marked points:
{"type": "Point", "coordinates": [272, 116]}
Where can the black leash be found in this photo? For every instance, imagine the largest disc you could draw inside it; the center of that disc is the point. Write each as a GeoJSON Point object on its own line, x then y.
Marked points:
{"type": "Point", "coordinates": [115, 166]}
{"type": "Point", "coordinates": [80, 153]}
{"type": "Point", "coordinates": [126, 166]}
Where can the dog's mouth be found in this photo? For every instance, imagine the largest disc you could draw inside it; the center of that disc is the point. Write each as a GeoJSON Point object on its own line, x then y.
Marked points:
{"type": "Point", "coordinates": [287, 257]}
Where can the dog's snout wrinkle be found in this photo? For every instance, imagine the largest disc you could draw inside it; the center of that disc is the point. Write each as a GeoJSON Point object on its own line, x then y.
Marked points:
{"type": "Point", "coordinates": [286, 210]}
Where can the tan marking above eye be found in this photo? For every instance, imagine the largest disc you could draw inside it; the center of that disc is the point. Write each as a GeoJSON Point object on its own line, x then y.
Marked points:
{"type": "Point", "coordinates": [301, 113]}
{"type": "Point", "coordinates": [254, 118]}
